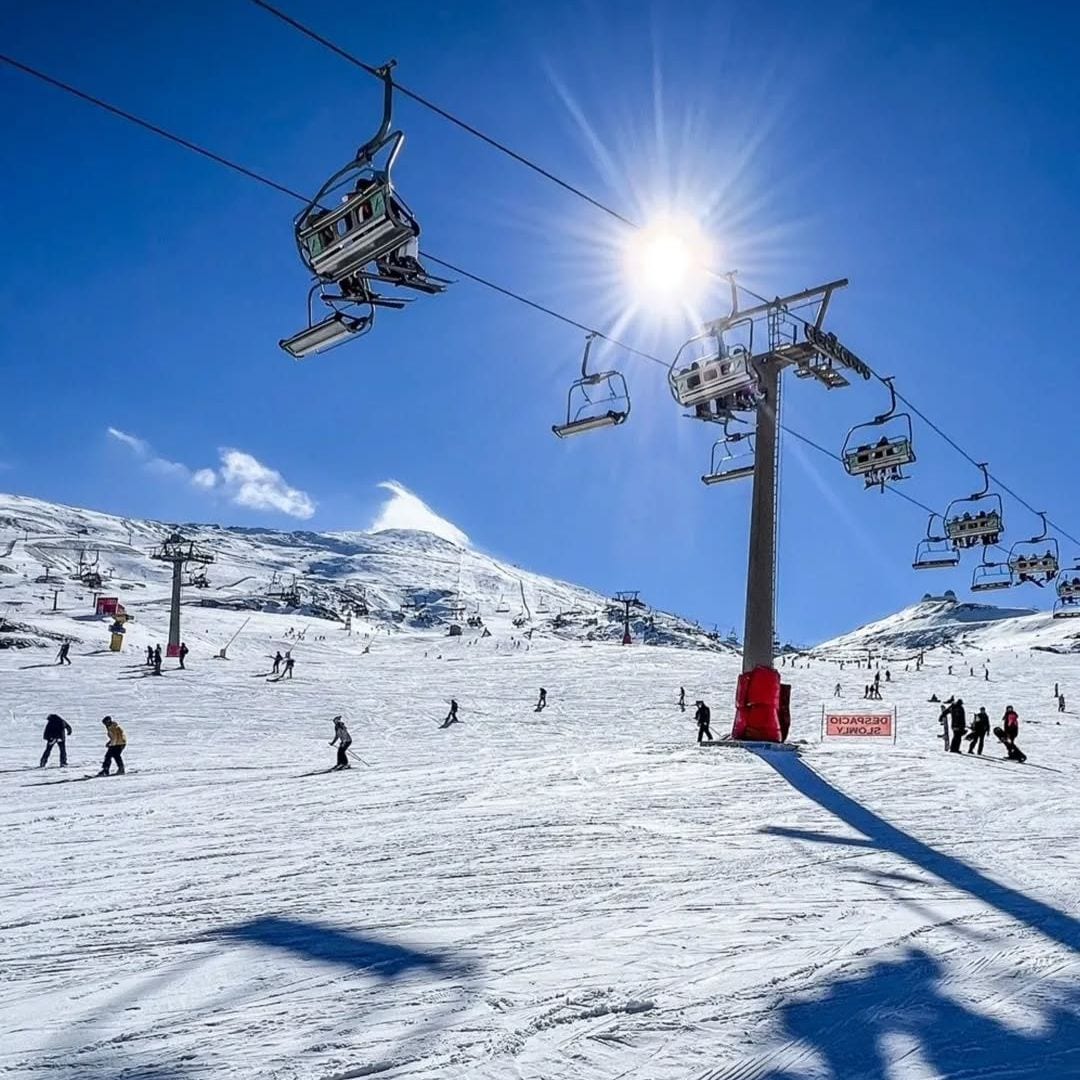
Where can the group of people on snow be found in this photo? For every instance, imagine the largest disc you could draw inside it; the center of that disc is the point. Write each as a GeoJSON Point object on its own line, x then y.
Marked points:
{"type": "Point", "coordinates": [153, 656]}
{"type": "Point", "coordinates": [954, 729]}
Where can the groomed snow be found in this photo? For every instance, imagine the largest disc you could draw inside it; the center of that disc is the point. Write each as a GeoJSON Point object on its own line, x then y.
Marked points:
{"type": "Point", "coordinates": [572, 895]}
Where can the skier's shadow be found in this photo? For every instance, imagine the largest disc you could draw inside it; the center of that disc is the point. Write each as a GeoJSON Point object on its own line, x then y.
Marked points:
{"type": "Point", "coordinates": [850, 1024]}
{"type": "Point", "coordinates": [1057, 925]}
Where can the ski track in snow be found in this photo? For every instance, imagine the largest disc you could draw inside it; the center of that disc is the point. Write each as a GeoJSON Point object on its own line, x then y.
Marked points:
{"type": "Point", "coordinates": [580, 893]}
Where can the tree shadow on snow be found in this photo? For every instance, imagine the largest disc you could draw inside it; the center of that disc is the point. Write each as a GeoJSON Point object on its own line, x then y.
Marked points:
{"type": "Point", "coordinates": [1057, 925]}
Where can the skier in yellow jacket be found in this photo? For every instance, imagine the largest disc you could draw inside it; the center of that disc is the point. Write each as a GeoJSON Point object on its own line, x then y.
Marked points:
{"type": "Point", "coordinates": [114, 748]}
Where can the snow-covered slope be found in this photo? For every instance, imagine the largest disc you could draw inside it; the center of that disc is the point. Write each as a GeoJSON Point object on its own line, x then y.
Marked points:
{"type": "Point", "coordinates": [393, 580]}
{"type": "Point", "coordinates": [944, 622]}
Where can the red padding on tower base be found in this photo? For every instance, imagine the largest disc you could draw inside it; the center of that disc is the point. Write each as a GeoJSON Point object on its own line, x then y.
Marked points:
{"type": "Point", "coordinates": [757, 706]}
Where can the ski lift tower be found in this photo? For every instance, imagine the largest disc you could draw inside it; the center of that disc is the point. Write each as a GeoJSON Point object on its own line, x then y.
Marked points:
{"type": "Point", "coordinates": [179, 551]}
{"type": "Point", "coordinates": [629, 599]}
{"type": "Point", "coordinates": [774, 335]}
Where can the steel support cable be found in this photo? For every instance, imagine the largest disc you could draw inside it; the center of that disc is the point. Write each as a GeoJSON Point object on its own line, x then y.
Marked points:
{"type": "Point", "coordinates": [251, 174]}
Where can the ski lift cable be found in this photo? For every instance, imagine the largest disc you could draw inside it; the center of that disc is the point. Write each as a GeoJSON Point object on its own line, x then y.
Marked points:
{"type": "Point", "coordinates": [370, 69]}
{"type": "Point", "coordinates": [261, 178]}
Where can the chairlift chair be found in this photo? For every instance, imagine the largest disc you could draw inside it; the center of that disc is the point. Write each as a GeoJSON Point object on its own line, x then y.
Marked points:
{"type": "Point", "coordinates": [732, 457]}
{"type": "Point", "coordinates": [707, 375]}
{"type": "Point", "coordinates": [967, 527]}
{"type": "Point", "coordinates": [935, 552]}
{"type": "Point", "coordinates": [1067, 605]}
{"type": "Point", "coordinates": [596, 400]}
{"type": "Point", "coordinates": [990, 576]}
{"type": "Point", "coordinates": [881, 460]}
{"type": "Point", "coordinates": [1029, 564]}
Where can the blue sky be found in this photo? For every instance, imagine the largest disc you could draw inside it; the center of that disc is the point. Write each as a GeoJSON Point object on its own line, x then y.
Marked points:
{"type": "Point", "coordinates": [927, 152]}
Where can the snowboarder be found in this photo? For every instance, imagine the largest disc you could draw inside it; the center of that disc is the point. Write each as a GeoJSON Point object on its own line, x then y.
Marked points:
{"type": "Point", "coordinates": [980, 728]}
{"type": "Point", "coordinates": [114, 748]}
{"type": "Point", "coordinates": [958, 724]}
{"type": "Point", "coordinates": [943, 720]}
{"type": "Point", "coordinates": [149, 656]}
{"type": "Point", "coordinates": [682, 699]}
{"type": "Point", "coordinates": [62, 655]}
{"type": "Point", "coordinates": [1061, 702]}
{"type": "Point", "coordinates": [541, 704]}
{"type": "Point", "coordinates": [343, 740]}
{"type": "Point", "coordinates": [836, 690]}
{"type": "Point", "coordinates": [702, 715]}
{"type": "Point", "coordinates": [451, 716]}
{"type": "Point", "coordinates": [277, 663]}
{"type": "Point", "coordinates": [157, 659]}
{"type": "Point", "coordinates": [1010, 728]}
{"type": "Point", "coordinates": [182, 654]}
{"type": "Point", "coordinates": [57, 729]}
{"type": "Point", "coordinates": [289, 662]}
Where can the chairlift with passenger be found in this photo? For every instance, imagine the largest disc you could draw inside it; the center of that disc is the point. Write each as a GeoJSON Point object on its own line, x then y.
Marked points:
{"type": "Point", "coordinates": [966, 526]}
{"type": "Point", "coordinates": [596, 400]}
{"type": "Point", "coordinates": [935, 552]}
{"type": "Point", "coordinates": [1030, 564]}
{"type": "Point", "coordinates": [1067, 605]}
{"type": "Point", "coordinates": [714, 378]}
{"type": "Point", "coordinates": [880, 460]}
{"type": "Point", "coordinates": [732, 457]}
{"type": "Point", "coordinates": [369, 236]}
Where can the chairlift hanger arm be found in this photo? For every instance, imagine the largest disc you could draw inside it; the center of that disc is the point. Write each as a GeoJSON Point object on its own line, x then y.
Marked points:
{"type": "Point", "coordinates": [824, 291]}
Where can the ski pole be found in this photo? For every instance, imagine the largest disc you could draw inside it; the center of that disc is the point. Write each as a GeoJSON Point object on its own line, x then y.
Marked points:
{"type": "Point", "coordinates": [358, 758]}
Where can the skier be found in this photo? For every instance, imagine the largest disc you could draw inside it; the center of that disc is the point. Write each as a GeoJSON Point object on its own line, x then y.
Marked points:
{"type": "Point", "coordinates": [888, 675]}
{"type": "Point", "coordinates": [1056, 691]}
{"type": "Point", "coordinates": [836, 690]}
{"type": "Point", "coordinates": [980, 728]}
{"type": "Point", "coordinates": [114, 748]}
{"type": "Point", "coordinates": [702, 715]}
{"type": "Point", "coordinates": [157, 659]}
{"type": "Point", "coordinates": [682, 699]}
{"type": "Point", "coordinates": [958, 724]}
{"type": "Point", "coordinates": [1061, 702]}
{"type": "Point", "coordinates": [289, 661]}
{"type": "Point", "coordinates": [344, 741]}
{"type": "Point", "coordinates": [149, 656]}
{"type": "Point", "coordinates": [57, 729]}
{"type": "Point", "coordinates": [451, 716]}
{"type": "Point", "coordinates": [62, 655]}
{"type": "Point", "coordinates": [542, 702]}
{"type": "Point", "coordinates": [182, 654]}
{"type": "Point", "coordinates": [277, 663]}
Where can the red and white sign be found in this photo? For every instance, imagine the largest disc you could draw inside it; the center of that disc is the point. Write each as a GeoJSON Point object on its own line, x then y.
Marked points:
{"type": "Point", "coordinates": [107, 605]}
{"type": "Point", "coordinates": [879, 725]}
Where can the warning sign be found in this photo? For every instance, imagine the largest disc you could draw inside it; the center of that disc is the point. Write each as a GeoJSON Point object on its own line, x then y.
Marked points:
{"type": "Point", "coordinates": [880, 725]}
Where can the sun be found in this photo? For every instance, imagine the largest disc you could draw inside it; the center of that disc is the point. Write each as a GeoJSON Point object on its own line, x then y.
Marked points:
{"type": "Point", "coordinates": [667, 261]}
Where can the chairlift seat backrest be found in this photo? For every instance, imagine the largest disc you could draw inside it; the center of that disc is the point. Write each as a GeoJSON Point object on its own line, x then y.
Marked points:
{"type": "Point", "coordinates": [712, 378]}
{"type": "Point", "coordinates": [888, 453]}
{"type": "Point", "coordinates": [984, 523]}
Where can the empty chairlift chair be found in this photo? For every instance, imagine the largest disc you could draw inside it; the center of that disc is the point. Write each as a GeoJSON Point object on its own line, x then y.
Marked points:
{"type": "Point", "coordinates": [977, 518]}
{"type": "Point", "coordinates": [878, 450]}
{"type": "Point", "coordinates": [991, 576]}
{"type": "Point", "coordinates": [1036, 560]}
{"type": "Point", "coordinates": [357, 231]}
{"type": "Point", "coordinates": [596, 400]}
{"type": "Point", "coordinates": [935, 552]}
{"type": "Point", "coordinates": [732, 458]}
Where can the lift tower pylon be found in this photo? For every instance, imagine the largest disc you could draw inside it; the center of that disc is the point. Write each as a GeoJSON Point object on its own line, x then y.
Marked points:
{"type": "Point", "coordinates": [179, 551]}
{"type": "Point", "coordinates": [629, 599]}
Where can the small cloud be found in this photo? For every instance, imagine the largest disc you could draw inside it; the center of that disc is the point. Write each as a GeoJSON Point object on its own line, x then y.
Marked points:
{"type": "Point", "coordinates": [246, 481]}
{"type": "Point", "coordinates": [404, 510]}
{"type": "Point", "coordinates": [242, 478]}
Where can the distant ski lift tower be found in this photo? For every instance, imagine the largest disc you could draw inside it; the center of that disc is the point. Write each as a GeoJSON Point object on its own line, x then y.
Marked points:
{"type": "Point", "coordinates": [177, 550]}
{"type": "Point", "coordinates": [779, 333]}
{"type": "Point", "coordinates": [629, 599]}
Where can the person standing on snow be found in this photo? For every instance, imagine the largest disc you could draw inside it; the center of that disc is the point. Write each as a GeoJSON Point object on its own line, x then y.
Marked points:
{"type": "Point", "coordinates": [980, 728]}
{"type": "Point", "coordinates": [702, 715]}
{"type": "Point", "coordinates": [157, 659]}
{"type": "Point", "coordinates": [277, 663]}
{"type": "Point", "coordinates": [149, 656]}
{"type": "Point", "coordinates": [182, 654]}
{"type": "Point", "coordinates": [1061, 702]}
{"type": "Point", "coordinates": [451, 716]}
{"type": "Point", "coordinates": [344, 741]}
{"type": "Point", "coordinates": [958, 724]}
{"type": "Point", "coordinates": [62, 655]}
{"type": "Point", "coordinates": [1010, 727]}
{"type": "Point", "coordinates": [57, 729]}
{"type": "Point", "coordinates": [836, 690]}
{"type": "Point", "coordinates": [541, 703]}
{"type": "Point", "coordinates": [682, 699]}
{"type": "Point", "coordinates": [289, 661]}
{"type": "Point", "coordinates": [114, 748]}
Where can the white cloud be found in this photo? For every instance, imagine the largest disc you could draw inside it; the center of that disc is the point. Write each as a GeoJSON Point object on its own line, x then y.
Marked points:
{"type": "Point", "coordinates": [248, 482]}
{"type": "Point", "coordinates": [242, 479]}
{"type": "Point", "coordinates": [404, 510]}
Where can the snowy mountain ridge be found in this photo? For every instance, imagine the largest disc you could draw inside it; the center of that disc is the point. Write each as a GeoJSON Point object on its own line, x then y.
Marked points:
{"type": "Point", "coordinates": [393, 579]}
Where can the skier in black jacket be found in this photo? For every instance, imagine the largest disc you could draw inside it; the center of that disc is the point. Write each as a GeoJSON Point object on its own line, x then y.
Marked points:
{"type": "Point", "coordinates": [702, 715]}
{"type": "Point", "coordinates": [57, 729]}
{"type": "Point", "coordinates": [958, 724]}
{"type": "Point", "coordinates": [451, 716]}
{"type": "Point", "coordinates": [980, 728]}
{"type": "Point", "coordinates": [344, 741]}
